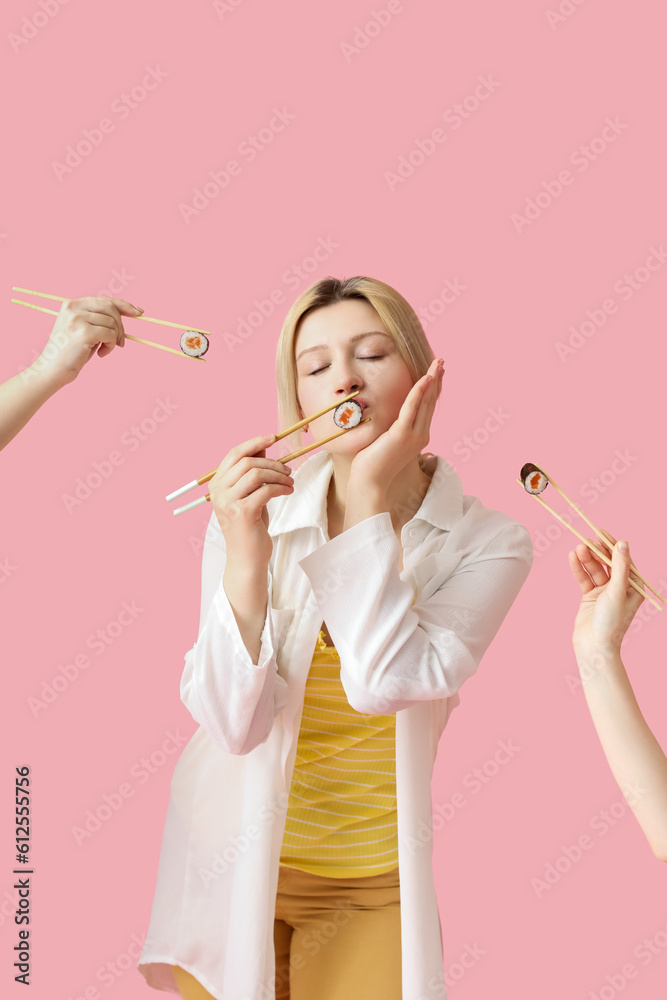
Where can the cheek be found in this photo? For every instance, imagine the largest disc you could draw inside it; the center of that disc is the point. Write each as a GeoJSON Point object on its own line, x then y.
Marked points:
{"type": "Point", "coordinates": [395, 393]}
{"type": "Point", "coordinates": [304, 397]}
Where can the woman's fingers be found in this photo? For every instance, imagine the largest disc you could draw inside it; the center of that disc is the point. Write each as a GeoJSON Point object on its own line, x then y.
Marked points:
{"type": "Point", "coordinates": [430, 398]}
{"type": "Point", "coordinates": [245, 477]}
{"type": "Point", "coordinates": [620, 573]}
{"type": "Point", "coordinates": [106, 304]}
{"type": "Point", "coordinates": [255, 446]}
{"type": "Point", "coordinates": [245, 472]}
{"type": "Point", "coordinates": [593, 566]}
{"type": "Point", "coordinates": [103, 329]}
{"type": "Point", "coordinates": [422, 404]}
{"type": "Point", "coordinates": [98, 320]}
{"type": "Point", "coordinates": [606, 541]}
{"type": "Point", "coordinates": [579, 573]}
{"type": "Point", "coordinates": [99, 309]}
{"type": "Point", "coordinates": [608, 535]}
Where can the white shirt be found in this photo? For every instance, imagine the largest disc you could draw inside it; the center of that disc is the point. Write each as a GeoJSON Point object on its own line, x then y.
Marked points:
{"type": "Point", "coordinates": [406, 644]}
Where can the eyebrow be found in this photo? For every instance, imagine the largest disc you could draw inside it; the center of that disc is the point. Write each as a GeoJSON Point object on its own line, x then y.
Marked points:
{"type": "Point", "coordinates": [352, 341]}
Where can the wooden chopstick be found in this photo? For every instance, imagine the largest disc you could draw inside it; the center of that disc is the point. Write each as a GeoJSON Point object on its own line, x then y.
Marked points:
{"type": "Point", "coordinates": [597, 531]}
{"type": "Point", "coordinates": [277, 437]}
{"type": "Point", "coordinates": [128, 336]}
{"type": "Point", "coordinates": [286, 458]}
{"type": "Point", "coordinates": [149, 319]}
{"type": "Point", "coordinates": [598, 552]}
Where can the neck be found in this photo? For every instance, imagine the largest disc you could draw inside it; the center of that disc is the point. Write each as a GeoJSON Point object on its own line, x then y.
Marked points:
{"type": "Point", "coordinates": [404, 495]}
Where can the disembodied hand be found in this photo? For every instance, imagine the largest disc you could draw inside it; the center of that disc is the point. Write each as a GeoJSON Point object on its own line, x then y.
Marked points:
{"type": "Point", "coordinates": [608, 602]}
{"type": "Point", "coordinates": [82, 328]}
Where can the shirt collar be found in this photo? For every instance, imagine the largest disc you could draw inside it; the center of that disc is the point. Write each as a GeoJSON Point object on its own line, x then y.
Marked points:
{"type": "Point", "coordinates": [442, 505]}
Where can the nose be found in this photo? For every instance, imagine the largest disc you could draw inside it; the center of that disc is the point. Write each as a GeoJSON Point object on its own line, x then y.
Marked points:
{"type": "Point", "coordinates": [348, 381]}
{"type": "Point", "coordinates": [347, 387]}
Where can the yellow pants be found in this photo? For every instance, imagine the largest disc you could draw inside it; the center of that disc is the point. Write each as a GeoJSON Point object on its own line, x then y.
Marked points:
{"type": "Point", "coordinates": [335, 939]}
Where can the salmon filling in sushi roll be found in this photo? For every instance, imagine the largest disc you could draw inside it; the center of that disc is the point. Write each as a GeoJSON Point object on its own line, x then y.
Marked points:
{"type": "Point", "coordinates": [348, 414]}
{"type": "Point", "coordinates": [533, 480]}
{"type": "Point", "coordinates": [194, 344]}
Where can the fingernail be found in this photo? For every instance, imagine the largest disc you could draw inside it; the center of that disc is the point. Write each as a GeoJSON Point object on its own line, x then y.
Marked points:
{"type": "Point", "coordinates": [138, 309]}
{"type": "Point", "coordinates": [270, 438]}
{"type": "Point", "coordinates": [622, 546]}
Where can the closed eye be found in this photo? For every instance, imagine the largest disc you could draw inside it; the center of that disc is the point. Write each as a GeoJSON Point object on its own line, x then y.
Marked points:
{"type": "Point", "coordinates": [370, 357]}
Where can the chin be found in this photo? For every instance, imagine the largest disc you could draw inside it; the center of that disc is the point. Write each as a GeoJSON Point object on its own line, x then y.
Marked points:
{"type": "Point", "coordinates": [362, 439]}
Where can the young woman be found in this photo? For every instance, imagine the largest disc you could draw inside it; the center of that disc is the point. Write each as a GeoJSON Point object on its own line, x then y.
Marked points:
{"type": "Point", "coordinates": [638, 763]}
{"type": "Point", "coordinates": [342, 609]}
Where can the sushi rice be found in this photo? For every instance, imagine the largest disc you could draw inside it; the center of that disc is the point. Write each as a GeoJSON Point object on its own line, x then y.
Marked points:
{"type": "Point", "coordinates": [534, 481]}
{"type": "Point", "coordinates": [194, 344]}
{"type": "Point", "coordinates": [348, 414]}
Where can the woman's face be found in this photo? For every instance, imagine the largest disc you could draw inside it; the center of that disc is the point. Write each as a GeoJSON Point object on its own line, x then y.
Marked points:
{"type": "Point", "coordinates": [340, 348]}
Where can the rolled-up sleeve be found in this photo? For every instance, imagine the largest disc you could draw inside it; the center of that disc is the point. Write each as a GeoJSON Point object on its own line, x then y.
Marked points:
{"type": "Point", "coordinates": [395, 650]}
{"type": "Point", "coordinates": [234, 699]}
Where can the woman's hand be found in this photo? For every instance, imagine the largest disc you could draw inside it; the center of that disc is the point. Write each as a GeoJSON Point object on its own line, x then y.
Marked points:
{"type": "Point", "coordinates": [82, 327]}
{"type": "Point", "coordinates": [240, 490]}
{"type": "Point", "coordinates": [380, 462]}
{"type": "Point", "coordinates": [608, 602]}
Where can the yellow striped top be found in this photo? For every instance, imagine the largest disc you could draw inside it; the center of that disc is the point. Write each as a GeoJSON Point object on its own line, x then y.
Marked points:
{"type": "Point", "coordinates": [341, 816]}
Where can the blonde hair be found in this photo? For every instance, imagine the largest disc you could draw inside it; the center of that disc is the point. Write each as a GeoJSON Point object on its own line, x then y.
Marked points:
{"type": "Point", "coordinates": [396, 313]}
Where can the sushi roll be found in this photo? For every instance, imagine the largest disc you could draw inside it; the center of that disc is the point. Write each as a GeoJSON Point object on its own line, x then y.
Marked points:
{"type": "Point", "coordinates": [194, 344]}
{"type": "Point", "coordinates": [348, 414]}
{"type": "Point", "coordinates": [534, 481]}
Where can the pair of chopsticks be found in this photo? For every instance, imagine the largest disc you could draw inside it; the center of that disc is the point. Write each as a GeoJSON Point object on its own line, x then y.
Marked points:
{"type": "Point", "coordinates": [287, 458]}
{"type": "Point", "coordinates": [149, 319]}
{"type": "Point", "coordinates": [601, 534]}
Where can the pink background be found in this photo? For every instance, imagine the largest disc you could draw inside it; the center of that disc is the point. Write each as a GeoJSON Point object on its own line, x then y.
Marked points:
{"type": "Point", "coordinates": [320, 181]}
